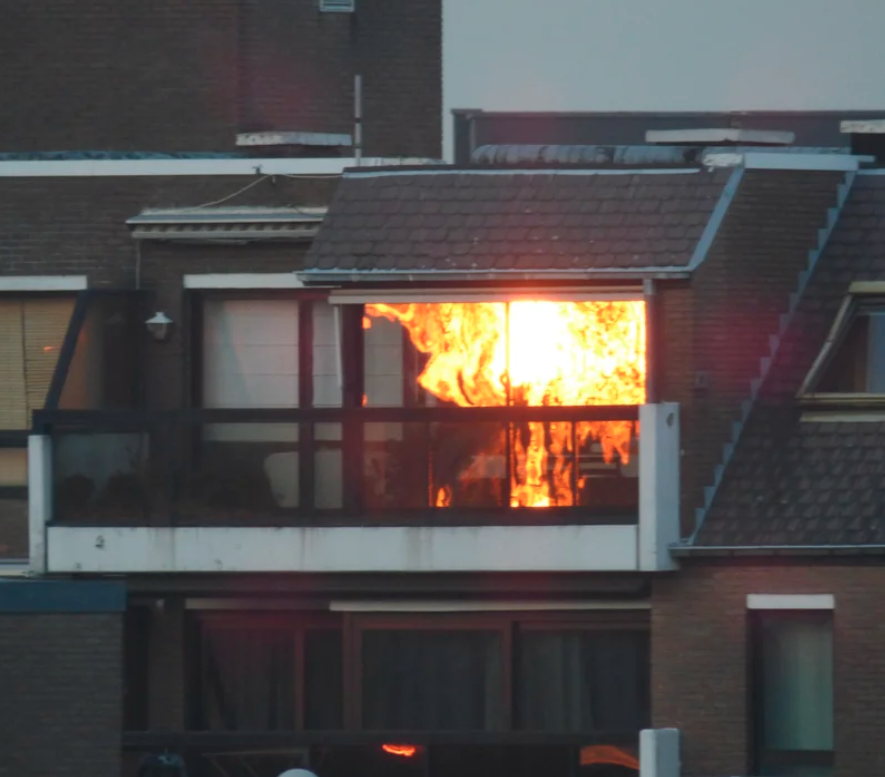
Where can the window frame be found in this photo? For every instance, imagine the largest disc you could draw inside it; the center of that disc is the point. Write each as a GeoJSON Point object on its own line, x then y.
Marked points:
{"type": "Point", "coordinates": [859, 297]}
{"type": "Point", "coordinates": [296, 623]}
{"type": "Point", "coordinates": [353, 416]}
{"type": "Point", "coordinates": [17, 439]}
{"type": "Point", "coordinates": [758, 754]}
{"type": "Point", "coordinates": [510, 624]}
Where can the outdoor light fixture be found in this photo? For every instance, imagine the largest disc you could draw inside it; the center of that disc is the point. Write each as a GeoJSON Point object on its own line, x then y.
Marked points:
{"type": "Point", "coordinates": [160, 326]}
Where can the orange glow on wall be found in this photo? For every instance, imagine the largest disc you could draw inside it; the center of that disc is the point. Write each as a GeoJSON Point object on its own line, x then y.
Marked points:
{"type": "Point", "coordinates": [535, 354]}
{"type": "Point", "coordinates": [607, 754]}
{"type": "Point", "coordinates": [405, 751]}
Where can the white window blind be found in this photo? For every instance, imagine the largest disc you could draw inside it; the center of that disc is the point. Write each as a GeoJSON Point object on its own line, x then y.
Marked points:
{"type": "Point", "coordinates": [31, 336]}
{"type": "Point", "coordinates": [250, 353]}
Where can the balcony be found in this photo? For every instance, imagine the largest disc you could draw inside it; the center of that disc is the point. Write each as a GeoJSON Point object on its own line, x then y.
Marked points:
{"type": "Point", "coordinates": [355, 489]}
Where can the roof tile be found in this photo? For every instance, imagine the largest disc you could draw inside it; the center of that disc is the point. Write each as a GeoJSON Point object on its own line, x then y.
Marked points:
{"type": "Point", "coordinates": [526, 221]}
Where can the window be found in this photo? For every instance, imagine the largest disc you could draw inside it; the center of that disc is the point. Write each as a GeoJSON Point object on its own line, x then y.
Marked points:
{"type": "Point", "coordinates": [272, 673]}
{"type": "Point", "coordinates": [859, 365]}
{"type": "Point", "coordinates": [432, 680]}
{"type": "Point", "coordinates": [852, 360]}
{"type": "Point", "coordinates": [498, 671]}
{"type": "Point", "coordinates": [793, 693]}
{"type": "Point", "coordinates": [582, 680]}
{"type": "Point", "coordinates": [519, 354]}
{"type": "Point", "coordinates": [32, 334]}
{"type": "Point", "coordinates": [273, 352]}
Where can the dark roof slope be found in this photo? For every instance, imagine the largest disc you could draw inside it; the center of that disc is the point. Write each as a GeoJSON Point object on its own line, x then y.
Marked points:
{"type": "Point", "coordinates": [482, 221]}
{"type": "Point", "coordinates": [810, 483]}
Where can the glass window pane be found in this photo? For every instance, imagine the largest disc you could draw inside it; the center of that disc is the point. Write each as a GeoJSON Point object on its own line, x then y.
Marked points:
{"type": "Point", "coordinates": [573, 681]}
{"type": "Point", "coordinates": [468, 464]}
{"type": "Point", "coordinates": [876, 354]}
{"type": "Point", "coordinates": [248, 679]}
{"type": "Point", "coordinates": [324, 685]}
{"type": "Point", "coordinates": [486, 354]}
{"type": "Point", "coordinates": [239, 470]}
{"type": "Point", "coordinates": [797, 683]}
{"type": "Point", "coordinates": [327, 367]}
{"type": "Point", "coordinates": [395, 466]}
{"type": "Point", "coordinates": [435, 680]}
{"type": "Point", "coordinates": [250, 353]}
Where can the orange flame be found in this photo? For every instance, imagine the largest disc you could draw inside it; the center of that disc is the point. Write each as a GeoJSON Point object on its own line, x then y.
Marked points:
{"type": "Point", "coordinates": [406, 751]}
{"type": "Point", "coordinates": [534, 353]}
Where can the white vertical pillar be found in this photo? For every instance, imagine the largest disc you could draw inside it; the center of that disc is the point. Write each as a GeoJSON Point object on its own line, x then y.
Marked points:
{"type": "Point", "coordinates": [659, 753]}
{"type": "Point", "coordinates": [39, 498]}
{"type": "Point", "coordinates": [659, 455]}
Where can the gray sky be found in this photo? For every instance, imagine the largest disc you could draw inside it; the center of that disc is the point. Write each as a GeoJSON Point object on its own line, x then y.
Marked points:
{"type": "Point", "coordinates": [615, 55]}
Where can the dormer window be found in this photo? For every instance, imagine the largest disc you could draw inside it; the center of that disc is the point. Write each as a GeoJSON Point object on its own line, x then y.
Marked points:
{"type": "Point", "coordinates": [852, 360]}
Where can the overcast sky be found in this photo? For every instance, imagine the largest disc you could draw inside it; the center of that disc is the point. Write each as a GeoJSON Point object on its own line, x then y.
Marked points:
{"type": "Point", "coordinates": [616, 55]}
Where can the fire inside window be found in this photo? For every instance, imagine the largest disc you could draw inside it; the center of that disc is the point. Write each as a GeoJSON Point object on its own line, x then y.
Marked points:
{"type": "Point", "coordinates": [517, 354]}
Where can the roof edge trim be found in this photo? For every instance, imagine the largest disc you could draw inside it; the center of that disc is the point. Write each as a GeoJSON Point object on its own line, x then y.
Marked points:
{"type": "Point", "coordinates": [716, 218]}
{"type": "Point", "coordinates": [685, 550]}
{"type": "Point", "coordinates": [788, 161]}
{"type": "Point", "coordinates": [440, 170]}
{"type": "Point", "coordinates": [333, 277]}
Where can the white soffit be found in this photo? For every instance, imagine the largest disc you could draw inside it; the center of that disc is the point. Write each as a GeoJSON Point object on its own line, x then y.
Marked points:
{"type": "Point", "coordinates": [43, 283]}
{"type": "Point", "coordinates": [563, 294]}
{"type": "Point", "coordinates": [256, 280]}
{"type": "Point", "coordinates": [863, 127]}
{"type": "Point", "coordinates": [791, 602]}
{"type": "Point", "coordinates": [717, 135]}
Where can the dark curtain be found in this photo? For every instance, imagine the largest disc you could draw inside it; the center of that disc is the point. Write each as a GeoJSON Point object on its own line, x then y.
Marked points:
{"type": "Point", "coordinates": [323, 680]}
{"type": "Point", "coordinates": [248, 680]}
{"type": "Point", "coordinates": [441, 680]}
{"type": "Point", "coordinates": [583, 681]}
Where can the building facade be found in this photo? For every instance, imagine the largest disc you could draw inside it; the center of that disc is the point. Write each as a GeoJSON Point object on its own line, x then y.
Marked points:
{"type": "Point", "coordinates": [329, 457]}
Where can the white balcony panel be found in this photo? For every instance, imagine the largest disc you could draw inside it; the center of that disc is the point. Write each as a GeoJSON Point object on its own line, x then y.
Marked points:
{"type": "Point", "coordinates": [659, 455]}
{"type": "Point", "coordinates": [343, 549]}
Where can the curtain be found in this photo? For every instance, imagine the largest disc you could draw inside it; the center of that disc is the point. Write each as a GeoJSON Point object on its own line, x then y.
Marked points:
{"type": "Point", "coordinates": [797, 683]}
{"type": "Point", "coordinates": [249, 680]}
{"type": "Point", "coordinates": [583, 681]}
{"type": "Point", "coordinates": [440, 680]}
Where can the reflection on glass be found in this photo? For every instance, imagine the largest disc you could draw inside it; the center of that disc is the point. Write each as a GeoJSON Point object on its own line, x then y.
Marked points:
{"type": "Point", "coordinates": [394, 465]}
{"type": "Point", "coordinates": [468, 465]}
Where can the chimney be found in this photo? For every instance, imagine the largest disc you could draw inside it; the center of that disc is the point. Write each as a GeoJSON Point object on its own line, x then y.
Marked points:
{"type": "Point", "coordinates": [867, 137]}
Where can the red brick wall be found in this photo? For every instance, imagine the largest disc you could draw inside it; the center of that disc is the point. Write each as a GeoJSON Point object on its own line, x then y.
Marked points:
{"type": "Point", "coordinates": [175, 76]}
{"type": "Point", "coordinates": [61, 699]}
{"type": "Point", "coordinates": [699, 661]}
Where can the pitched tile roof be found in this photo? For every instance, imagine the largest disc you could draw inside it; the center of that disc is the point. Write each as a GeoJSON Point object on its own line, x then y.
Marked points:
{"type": "Point", "coordinates": [496, 220]}
{"type": "Point", "coordinates": [822, 483]}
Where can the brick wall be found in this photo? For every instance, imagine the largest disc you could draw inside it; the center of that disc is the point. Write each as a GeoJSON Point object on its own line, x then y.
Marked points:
{"type": "Point", "coordinates": [61, 708]}
{"type": "Point", "coordinates": [172, 76]}
{"type": "Point", "coordinates": [13, 529]}
{"type": "Point", "coordinates": [737, 296]}
{"type": "Point", "coordinates": [699, 662]}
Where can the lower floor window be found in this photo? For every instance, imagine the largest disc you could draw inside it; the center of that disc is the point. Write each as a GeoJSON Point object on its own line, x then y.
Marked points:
{"type": "Point", "coordinates": [488, 673]}
{"type": "Point", "coordinates": [793, 694]}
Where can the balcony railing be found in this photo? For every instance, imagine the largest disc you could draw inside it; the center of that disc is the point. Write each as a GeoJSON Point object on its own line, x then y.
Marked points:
{"type": "Point", "coordinates": [360, 466]}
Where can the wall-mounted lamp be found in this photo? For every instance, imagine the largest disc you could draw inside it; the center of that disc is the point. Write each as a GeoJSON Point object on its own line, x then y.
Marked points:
{"type": "Point", "coordinates": [160, 326]}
